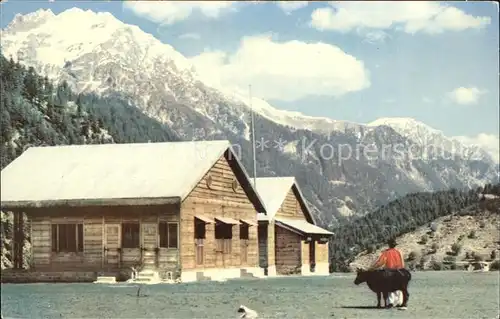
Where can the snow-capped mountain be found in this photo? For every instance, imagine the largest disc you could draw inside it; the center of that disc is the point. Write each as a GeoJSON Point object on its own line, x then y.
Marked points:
{"type": "Point", "coordinates": [433, 140]}
{"type": "Point", "coordinates": [101, 54]}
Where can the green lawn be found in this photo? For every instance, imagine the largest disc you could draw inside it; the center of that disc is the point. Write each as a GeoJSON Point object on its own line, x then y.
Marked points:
{"type": "Point", "coordinates": [433, 295]}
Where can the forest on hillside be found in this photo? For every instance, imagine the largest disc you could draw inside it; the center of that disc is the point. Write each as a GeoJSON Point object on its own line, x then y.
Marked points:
{"type": "Point", "coordinates": [397, 218]}
{"type": "Point", "coordinates": [35, 111]}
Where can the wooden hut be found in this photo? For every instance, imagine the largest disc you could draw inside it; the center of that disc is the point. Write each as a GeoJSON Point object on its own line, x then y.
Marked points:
{"type": "Point", "coordinates": [185, 209]}
{"type": "Point", "coordinates": [289, 240]}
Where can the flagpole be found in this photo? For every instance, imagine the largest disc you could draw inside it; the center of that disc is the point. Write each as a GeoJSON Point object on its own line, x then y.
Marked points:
{"type": "Point", "coordinates": [253, 137]}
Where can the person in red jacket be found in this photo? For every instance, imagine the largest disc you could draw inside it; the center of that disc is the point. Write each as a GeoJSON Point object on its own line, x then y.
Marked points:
{"type": "Point", "coordinates": [390, 258]}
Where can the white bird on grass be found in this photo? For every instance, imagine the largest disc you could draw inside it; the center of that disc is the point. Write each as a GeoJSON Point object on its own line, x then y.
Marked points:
{"type": "Point", "coordinates": [247, 312]}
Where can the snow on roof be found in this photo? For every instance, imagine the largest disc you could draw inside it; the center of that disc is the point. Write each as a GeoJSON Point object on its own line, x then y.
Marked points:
{"type": "Point", "coordinates": [273, 191]}
{"type": "Point", "coordinates": [262, 217]}
{"type": "Point", "coordinates": [303, 226]}
{"type": "Point", "coordinates": [227, 220]}
{"type": "Point", "coordinates": [109, 171]}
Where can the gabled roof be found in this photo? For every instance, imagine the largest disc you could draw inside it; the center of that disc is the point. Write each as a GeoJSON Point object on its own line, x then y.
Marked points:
{"type": "Point", "coordinates": [302, 227]}
{"type": "Point", "coordinates": [273, 191]}
{"type": "Point", "coordinates": [112, 171]}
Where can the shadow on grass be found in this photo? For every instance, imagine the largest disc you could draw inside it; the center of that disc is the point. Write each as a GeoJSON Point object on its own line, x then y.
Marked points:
{"type": "Point", "coordinates": [360, 307]}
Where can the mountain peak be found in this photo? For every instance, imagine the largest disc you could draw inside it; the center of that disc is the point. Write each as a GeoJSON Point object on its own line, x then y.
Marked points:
{"type": "Point", "coordinates": [405, 123]}
{"type": "Point", "coordinates": [128, 66]}
{"type": "Point", "coordinates": [31, 20]}
{"type": "Point", "coordinates": [52, 41]}
{"type": "Point", "coordinates": [82, 15]}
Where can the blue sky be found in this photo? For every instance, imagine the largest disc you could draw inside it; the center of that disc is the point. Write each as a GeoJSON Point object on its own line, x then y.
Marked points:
{"type": "Point", "coordinates": [435, 62]}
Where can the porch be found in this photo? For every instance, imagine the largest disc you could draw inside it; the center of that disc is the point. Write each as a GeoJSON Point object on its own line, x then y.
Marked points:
{"type": "Point", "coordinates": [99, 239]}
{"type": "Point", "coordinates": [306, 240]}
{"type": "Point", "coordinates": [222, 249]}
{"type": "Point", "coordinates": [293, 246]}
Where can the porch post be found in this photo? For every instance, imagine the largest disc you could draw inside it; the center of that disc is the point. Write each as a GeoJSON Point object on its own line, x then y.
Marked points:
{"type": "Point", "coordinates": [271, 249]}
{"type": "Point", "coordinates": [18, 240]}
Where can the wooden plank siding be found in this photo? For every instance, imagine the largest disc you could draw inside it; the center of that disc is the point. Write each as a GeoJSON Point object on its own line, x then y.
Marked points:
{"type": "Point", "coordinates": [217, 198]}
{"type": "Point", "coordinates": [288, 252]}
{"type": "Point", "coordinates": [271, 242]}
{"type": "Point", "coordinates": [267, 244]}
{"type": "Point", "coordinates": [101, 237]}
{"type": "Point", "coordinates": [305, 253]}
{"type": "Point", "coordinates": [262, 231]}
{"type": "Point", "coordinates": [292, 209]}
{"type": "Point", "coordinates": [41, 241]}
{"type": "Point", "coordinates": [93, 241]}
{"type": "Point", "coordinates": [289, 246]}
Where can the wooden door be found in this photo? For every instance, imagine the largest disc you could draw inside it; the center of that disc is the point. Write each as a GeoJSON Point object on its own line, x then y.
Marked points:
{"type": "Point", "coordinates": [112, 245]}
{"type": "Point", "coordinates": [227, 252]}
{"type": "Point", "coordinates": [288, 252]}
{"type": "Point", "coordinates": [244, 251]}
{"type": "Point", "coordinates": [219, 253]}
{"type": "Point", "coordinates": [200, 257]}
{"type": "Point", "coordinates": [149, 242]}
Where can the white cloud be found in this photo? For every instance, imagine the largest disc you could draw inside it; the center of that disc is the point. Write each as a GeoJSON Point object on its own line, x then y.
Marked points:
{"type": "Point", "coordinates": [375, 37]}
{"type": "Point", "coordinates": [488, 142]}
{"type": "Point", "coordinates": [284, 71]}
{"type": "Point", "coordinates": [466, 96]}
{"type": "Point", "coordinates": [192, 36]}
{"type": "Point", "coordinates": [289, 6]}
{"type": "Point", "coordinates": [169, 12]}
{"type": "Point", "coordinates": [409, 16]}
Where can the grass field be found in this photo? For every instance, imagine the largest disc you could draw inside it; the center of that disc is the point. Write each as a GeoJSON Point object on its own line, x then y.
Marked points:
{"type": "Point", "coordinates": [433, 295]}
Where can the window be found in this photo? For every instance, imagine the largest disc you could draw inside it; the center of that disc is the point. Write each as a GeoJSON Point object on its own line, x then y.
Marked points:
{"type": "Point", "coordinates": [223, 231]}
{"type": "Point", "coordinates": [130, 235]}
{"type": "Point", "coordinates": [244, 231]}
{"type": "Point", "coordinates": [200, 230]}
{"type": "Point", "coordinates": [223, 237]}
{"type": "Point", "coordinates": [169, 235]}
{"type": "Point", "coordinates": [67, 238]}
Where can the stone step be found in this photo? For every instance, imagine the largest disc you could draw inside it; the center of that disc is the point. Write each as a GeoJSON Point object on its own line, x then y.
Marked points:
{"type": "Point", "coordinates": [105, 280]}
{"type": "Point", "coordinates": [147, 274]}
{"type": "Point", "coordinates": [147, 277]}
{"type": "Point", "coordinates": [245, 273]}
{"type": "Point", "coordinates": [143, 280]}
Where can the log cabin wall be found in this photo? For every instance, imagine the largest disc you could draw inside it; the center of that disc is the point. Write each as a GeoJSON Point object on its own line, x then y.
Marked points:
{"type": "Point", "coordinates": [288, 252]}
{"type": "Point", "coordinates": [262, 231]}
{"type": "Point", "coordinates": [98, 237]}
{"type": "Point", "coordinates": [289, 255]}
{"type": "Point", "coordinates": [292, 209]}
{"type": "Point", "coordinates": [218, 194]}
{"type": "Point", "coordinates": [271, 244]}
{"type": "Point", "coordinates": [305, 253]}
{"type": "Point", "coordinates": [266, 244]}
